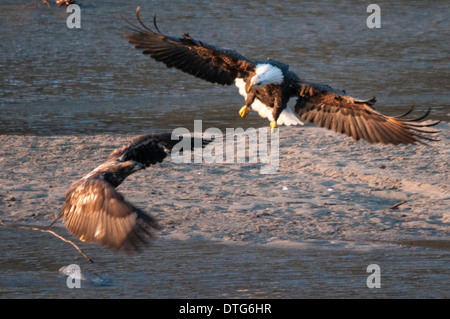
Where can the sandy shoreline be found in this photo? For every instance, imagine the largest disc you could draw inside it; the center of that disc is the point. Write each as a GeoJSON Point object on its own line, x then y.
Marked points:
{"type": "Point", "coordinates": [328, 190]}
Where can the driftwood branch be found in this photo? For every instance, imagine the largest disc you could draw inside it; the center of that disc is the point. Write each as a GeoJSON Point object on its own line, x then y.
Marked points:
{"type": "Point", "coordinates": [398, 204]}
{"type": "Point", "coordinates": [51, 232]}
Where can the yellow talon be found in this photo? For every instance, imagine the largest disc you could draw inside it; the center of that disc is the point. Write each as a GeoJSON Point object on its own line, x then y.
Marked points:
{"type": "Point", "coordinates": [244, 110]}
{"type": "Point", "coordinates": [82, 238]}
{"type": "Point", "coordinates": [273, 126]}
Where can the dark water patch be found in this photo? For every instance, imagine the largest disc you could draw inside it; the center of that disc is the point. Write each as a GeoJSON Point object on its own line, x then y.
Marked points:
{"type": "Point", "coordinates": [31, 261]}
{"type": "Point", "coordinates": [57, 80]}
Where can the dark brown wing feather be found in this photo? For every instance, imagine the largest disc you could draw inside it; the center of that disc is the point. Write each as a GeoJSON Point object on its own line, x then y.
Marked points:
{"type": "Point", "coordinates": [150, 149]}
{"type": "Point", "coordinates": [197, 58]}
{"type": "Point", "coordinates": [146, 149]}
{"type": "Point", "coordinates": [334, 110]}
{"type": "Point", "coordinates": [95, 212]}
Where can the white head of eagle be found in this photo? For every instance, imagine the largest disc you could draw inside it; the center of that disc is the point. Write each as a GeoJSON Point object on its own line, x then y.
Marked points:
{"type": "Point", "coordinates": [266, 74]}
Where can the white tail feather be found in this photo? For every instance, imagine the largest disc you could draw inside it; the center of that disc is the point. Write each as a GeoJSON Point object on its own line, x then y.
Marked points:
{"type": "Point", "coordinates": [287, 117]}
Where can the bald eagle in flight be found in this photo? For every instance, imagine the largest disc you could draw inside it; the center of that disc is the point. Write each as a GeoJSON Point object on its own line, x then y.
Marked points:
{"type": "Point", "coordinates": [268, 85]}
{"type": "Point", "coordinates": [95, 211]}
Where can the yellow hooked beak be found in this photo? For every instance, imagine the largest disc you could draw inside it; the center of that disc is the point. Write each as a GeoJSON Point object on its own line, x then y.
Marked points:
{"type": "Point", "coordinates": [254, 84]}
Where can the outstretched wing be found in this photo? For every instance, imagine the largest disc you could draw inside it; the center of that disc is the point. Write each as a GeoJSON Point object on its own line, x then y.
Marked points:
{"type": "Point", "coordinates": [197, 58]}
{"type": "Point", "coordinates": [334, 110]}
{"type": "Point", "coordinates": [95, 212]}
{"type": "Point", "coordinates": [150, 149]}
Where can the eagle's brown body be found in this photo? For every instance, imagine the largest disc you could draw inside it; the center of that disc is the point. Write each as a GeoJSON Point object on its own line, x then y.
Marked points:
{"type": "Point", "coordinates": [95, 211]}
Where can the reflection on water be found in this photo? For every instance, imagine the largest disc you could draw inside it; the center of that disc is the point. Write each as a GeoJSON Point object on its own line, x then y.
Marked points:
{"type": "Point", "coordinates": [57, 80]}
{"type": "Point", "coordinates": [30, 263]}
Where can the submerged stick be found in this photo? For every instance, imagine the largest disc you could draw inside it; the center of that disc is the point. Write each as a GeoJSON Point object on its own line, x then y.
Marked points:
{"type": "Point", "coordinates": [51, 232]}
